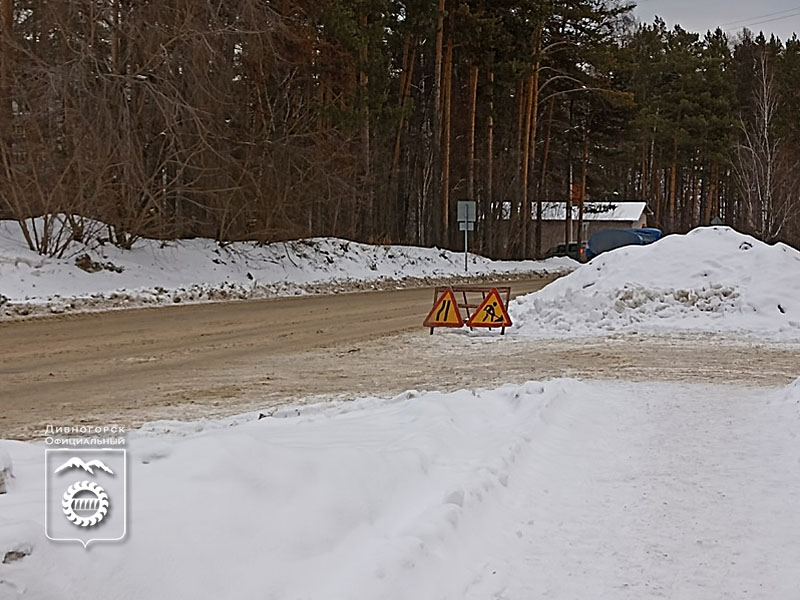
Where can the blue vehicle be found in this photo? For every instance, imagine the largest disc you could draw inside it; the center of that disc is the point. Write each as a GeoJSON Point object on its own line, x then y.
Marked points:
{"type": "Point", "coordinates": [649, 234]}
{"type": "Point", "coordinates": [611, 239]}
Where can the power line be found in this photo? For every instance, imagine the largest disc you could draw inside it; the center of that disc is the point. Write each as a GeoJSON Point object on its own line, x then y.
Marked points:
{"type": "Point", "coordinates": [796, 14]}
{"type": "Point", "coordinates": [764, 16]}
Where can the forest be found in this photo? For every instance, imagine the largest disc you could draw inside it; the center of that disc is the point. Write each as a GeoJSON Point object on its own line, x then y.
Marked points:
{"type": "Point", "coordinates": [369, 120]}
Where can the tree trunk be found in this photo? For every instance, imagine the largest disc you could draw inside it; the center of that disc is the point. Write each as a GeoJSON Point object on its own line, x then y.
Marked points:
{"type": "Point", "coordinates": [490, 221]}
{"type": "Point", "coordinates": [582, 198]}
{"type": "Point", "coordinates": [6, 67]}
{"type": "Point", "coordinates": [368, 225]}
{"type": "Point", "coordinates": [527, 237]}
{"type": "Point", "coordinates": [520, 149]}
{"type": "Point", "coordinates": [473, 108]}
{"type": "Point", "coordinates": [644, 172]}
{"type": "Point", "coordinates": [406, 76]}
{"type": "Point", "coordinates": [711, 201]}
{"type": "Point", "coordinates": [673, 179]}
{"type": "Point", "coordinates": [655, 190]}
{"type": "Point", "coordinates": [570, 182]}
{"type": "Point", "coordinates": [695, 208]}
{"type": "Point", "coordinates": [525, 209]}
{"type": "Point", "coordinates": [433, 234]}
{"type": "Point", "coordinates": [448, 93]}
{"type": "Point", "coordinates": [400, 195]}
{"type": "Point", "coordinates": [542, 178]}
{"type": "Point", "coordinates": [115, 41]}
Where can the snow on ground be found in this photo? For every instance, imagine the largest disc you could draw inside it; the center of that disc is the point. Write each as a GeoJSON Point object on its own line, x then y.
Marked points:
{"type": "Point", "coordinates": [711, 280]}
{"type": "Point", "coordinates": [5, 460]}
{"type": "Point", "coordinates": [155, 272]}
{"type": "Point", "coordinates": [553, 490]}
{"type": "Point", "coordinates": [6, 468]}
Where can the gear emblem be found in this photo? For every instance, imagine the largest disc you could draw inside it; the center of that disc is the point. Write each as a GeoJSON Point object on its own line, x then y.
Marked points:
{"type": "Point", "coordinates": [85, 503]}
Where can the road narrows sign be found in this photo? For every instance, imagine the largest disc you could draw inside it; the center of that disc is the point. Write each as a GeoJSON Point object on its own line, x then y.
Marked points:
{"type": "Point", "coordinates": [445, 312]}
{"type": "Point", "coordinates": [491, 313]}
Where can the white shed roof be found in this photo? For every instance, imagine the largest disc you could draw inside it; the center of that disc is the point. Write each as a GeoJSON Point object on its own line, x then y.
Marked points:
{"type": "Point", "coordinates": [595, 211]}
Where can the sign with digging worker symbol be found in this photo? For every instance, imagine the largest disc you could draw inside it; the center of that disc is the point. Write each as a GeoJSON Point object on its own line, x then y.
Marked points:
{"type": "Point", "coordinates": [490, 313]}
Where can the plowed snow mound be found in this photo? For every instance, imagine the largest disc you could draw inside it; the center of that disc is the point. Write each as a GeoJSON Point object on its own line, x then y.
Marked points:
{"type": "Point", "coordinates": [97, 274]}
{"type": "Point", "coordinates": [712, 279]}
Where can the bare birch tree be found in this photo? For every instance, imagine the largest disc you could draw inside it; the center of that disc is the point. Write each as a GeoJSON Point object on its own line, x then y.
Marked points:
{"type": "Point", "coordinates": [766, 174]}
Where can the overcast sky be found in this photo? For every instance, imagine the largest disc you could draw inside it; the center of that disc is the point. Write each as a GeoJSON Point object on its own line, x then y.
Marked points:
{"type": "Point", "coordinates": [781, 17]}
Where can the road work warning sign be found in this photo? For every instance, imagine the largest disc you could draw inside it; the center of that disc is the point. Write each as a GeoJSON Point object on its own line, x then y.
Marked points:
{"type": "Point", "coordinates": [445, 312]}
{"type": "Point", "coordinates": [453, 307]}
{"type": "Point", "coordinates": [490, 313]}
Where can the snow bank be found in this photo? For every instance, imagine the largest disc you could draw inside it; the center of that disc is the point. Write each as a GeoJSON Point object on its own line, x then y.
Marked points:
{"type": "Point", "coordinates": [712, 280]}
{"type": "Point", "coordinates": [340, 502]}
{"type": "Point", "coordinates": [155, 272]}
{"type": "Point", "coordinates": [533, 491]}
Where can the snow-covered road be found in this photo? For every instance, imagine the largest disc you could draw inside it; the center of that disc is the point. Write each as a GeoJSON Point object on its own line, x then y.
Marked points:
{"type": "Point", "coordinates": [557, 490]}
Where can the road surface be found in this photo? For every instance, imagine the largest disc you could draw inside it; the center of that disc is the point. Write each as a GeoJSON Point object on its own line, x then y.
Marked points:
{"type": "Point", "coordinates": [118, 365]}
{"type": "Point", "coordinates": [211, 360]}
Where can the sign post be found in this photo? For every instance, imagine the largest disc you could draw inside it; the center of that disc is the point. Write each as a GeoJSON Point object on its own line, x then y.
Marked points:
{"type": "Point", "coordinates": [466, 223]}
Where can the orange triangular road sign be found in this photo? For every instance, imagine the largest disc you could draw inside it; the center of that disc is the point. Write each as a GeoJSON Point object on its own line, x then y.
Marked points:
{"type": "Point", "coordinates": [445, 312]}
{"type": "Point", "coordinates": [491, 313]}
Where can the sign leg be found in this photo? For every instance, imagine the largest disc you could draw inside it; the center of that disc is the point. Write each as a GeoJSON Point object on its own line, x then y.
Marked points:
{"type": "Point", "coordinates": [466, 256]}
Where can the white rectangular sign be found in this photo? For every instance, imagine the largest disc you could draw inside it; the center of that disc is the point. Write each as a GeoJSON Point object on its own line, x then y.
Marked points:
{"type": "Point", "coordinates": [466, 211]}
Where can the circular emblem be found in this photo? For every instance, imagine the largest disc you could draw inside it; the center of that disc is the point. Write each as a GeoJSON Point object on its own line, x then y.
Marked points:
{"type": "Point", "coordinates": [85, 503]}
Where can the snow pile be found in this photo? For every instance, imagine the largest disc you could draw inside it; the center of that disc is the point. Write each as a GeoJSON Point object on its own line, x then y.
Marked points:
{"type": "Point", "coordinates": [711, 280]}
{"type": "Point", "coordinates": [533, 491]}
{"type": "Point", "coordinates": [155, 272]}
{"type": "Point", "coordinates": [343, 501]}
